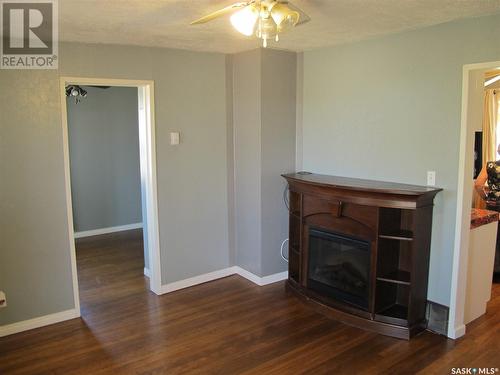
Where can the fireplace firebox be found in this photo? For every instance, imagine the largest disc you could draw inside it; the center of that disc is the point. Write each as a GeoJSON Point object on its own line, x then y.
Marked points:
{"type": "Point", "coordinates": [339, 267]}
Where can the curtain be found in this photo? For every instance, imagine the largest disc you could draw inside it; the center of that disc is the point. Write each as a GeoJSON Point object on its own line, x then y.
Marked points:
{"type": "Point", "coordinates": [496, 92]}
{"type": "Point", "coordinates": [491, 74]}
{"type": "Point", "coordinates": [490, 114]}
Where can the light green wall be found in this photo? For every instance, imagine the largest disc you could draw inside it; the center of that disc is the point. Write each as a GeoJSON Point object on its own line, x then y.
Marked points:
{"type": "Point", "coordinates": [389, 109]}
{"type": "Point", "coordinates": [190, 97]}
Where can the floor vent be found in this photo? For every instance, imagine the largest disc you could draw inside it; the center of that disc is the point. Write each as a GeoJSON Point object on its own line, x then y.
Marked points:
{"type": "Point", "coordinates": [437, 318]}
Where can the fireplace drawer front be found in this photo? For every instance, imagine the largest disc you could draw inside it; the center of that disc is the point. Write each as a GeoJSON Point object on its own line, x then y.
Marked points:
{"type": "Point", "coordinates": [366, 215]}
{"type": "Point", "coordinates": [313, 206]}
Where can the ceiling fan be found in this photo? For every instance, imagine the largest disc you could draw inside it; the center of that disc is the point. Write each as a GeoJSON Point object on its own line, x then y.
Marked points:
{"type": "Point", "coordinates": [77, 92]}
{"type": "Point", "coordinates": [264, 18]}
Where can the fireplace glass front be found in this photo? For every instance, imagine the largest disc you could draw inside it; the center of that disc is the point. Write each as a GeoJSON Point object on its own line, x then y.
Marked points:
{"type": "Point", "coordinates": [339, 267]}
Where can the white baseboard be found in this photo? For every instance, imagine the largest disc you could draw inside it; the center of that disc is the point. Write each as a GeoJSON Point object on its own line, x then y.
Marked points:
{"type": "Point", "coordinates": [97, 232]}
{"type": "Point", "coordinates": [41, 321]}
{"type": "Point", "coordinates": [261, 281]}
{"type": "Point", "coordinates": [235, 270]}
{"type": "Point", "coordinates": [186, 283]}
{"type": "Point", "coordinates": [146, 272]}
{"type": "Point", "coordinates": [274, 278]}
{"type": "Point", "coordinates": [457, 332]}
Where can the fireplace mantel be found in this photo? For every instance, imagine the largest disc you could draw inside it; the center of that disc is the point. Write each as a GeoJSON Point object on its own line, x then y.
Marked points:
{"type": "Point", "coordinates": [395, 220]}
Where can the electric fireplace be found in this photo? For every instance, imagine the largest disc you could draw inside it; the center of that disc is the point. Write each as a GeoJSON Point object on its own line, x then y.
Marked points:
{"type": "Point", "coordinates": [339, 267]}
{"type": "Point", "coordinates": [359, 250]}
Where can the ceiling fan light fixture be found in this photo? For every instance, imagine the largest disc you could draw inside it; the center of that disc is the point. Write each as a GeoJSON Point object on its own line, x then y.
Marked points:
{"type": "Point", "coordinates": [76, 92]}
{"type": "Point", "coordinates": [245, 19]}
{"type": "Point", "coordinates": [263, 18]}
{"type": "Point", "coordinates": [284, 17]}
{"type": "Point", "coordinates": [267, 28]}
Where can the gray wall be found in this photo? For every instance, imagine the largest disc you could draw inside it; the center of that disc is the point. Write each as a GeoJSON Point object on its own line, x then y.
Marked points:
{"type": "Point", "coordinates": [389, 109]}
{"type": "Point", "coordinates": [105, 160]}
{"type": "Point", "coordinates": [190, 97]}
{"type": "Point", "coordinates": [230, 160]}
{"type": "Point", "coordinates": [35, 269]}
{"type": "Point", "coordinates": [264, 148]}
{"type": "Point", "coordinates": [278, 151]}
{"type": "Point", "coordinates": [247, 159]}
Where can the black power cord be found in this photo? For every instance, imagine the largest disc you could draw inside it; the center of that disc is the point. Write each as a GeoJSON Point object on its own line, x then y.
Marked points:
{"type": "Point", "coordinates": [286, 199]}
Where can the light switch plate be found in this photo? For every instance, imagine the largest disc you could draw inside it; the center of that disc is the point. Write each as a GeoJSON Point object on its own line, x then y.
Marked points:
{"type": "Point", "coordinates": [174, 138]}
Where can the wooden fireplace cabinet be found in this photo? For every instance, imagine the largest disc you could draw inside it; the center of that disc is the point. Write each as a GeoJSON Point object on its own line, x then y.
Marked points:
{"type": "Point", "coordinates": [396, 220]}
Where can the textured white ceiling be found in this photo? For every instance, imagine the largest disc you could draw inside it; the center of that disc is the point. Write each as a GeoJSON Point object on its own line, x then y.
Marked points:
{"type": "Point", "coordinates": [165, 23]}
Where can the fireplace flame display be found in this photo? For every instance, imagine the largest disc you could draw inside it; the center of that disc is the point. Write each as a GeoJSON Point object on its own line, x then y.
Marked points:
{"type": "Point", "coordinates": [344, 273]}
{"type": "Point", "coordinates": [339, 267]}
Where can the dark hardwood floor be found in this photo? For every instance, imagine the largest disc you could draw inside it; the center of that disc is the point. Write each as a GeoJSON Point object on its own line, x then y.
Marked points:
{"type": "Point", "coordinates": [228, 326]}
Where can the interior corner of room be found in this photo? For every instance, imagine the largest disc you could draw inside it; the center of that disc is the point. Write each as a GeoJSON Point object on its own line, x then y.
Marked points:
{"type": "Point", "coordinates": [351, 180]}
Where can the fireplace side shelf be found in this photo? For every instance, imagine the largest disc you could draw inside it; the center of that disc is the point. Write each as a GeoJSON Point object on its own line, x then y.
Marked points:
{"type": "Point", "coordinates": [396, 277]}
{"type": "Point", "coordinates": [400, 235]}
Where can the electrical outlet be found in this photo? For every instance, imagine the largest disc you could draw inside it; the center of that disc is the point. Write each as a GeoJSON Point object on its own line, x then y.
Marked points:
{"type": "Point", "coordinates": [3, 300]}
{"type": "Point", "coordinates": [431, 178]}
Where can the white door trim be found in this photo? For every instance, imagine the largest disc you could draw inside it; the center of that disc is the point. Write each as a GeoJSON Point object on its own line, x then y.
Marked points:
{"type": "Point", "coordinates": [456, 326]}
{"type": "Point", "coordinates": [147, 122]}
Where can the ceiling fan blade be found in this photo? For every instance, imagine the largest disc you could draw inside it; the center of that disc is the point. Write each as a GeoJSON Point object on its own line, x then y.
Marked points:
{"type": "Point", "coordinates": [303, 16]}
{"type": "Point", "coordinates": [221, 12]}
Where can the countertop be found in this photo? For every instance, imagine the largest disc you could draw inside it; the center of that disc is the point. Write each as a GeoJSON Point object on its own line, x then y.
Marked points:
{"type": "Point", "coordinates": [481, 217]}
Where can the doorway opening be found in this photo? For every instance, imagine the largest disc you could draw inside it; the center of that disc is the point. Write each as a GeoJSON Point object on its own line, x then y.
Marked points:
{"type": "Point", "coordinates": [474, 84]}
{"type": "Point", "coordinates": [112, 195]}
